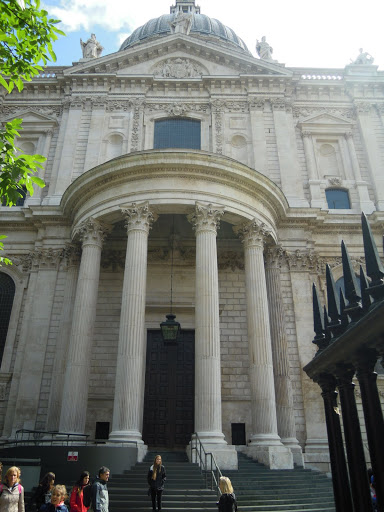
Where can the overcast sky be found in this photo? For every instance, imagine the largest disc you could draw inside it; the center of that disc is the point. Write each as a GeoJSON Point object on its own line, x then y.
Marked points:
{"type": "Point", "coordinates": [303, 33]}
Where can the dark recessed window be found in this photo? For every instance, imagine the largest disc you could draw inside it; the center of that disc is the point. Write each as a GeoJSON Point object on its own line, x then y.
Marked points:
{"type": "Point", "coordinates": [337, 199]}
{"type": "Point", "coordinates": [177, 133]}
{"type": "Point", "coordinates": [7, 294]}
{"type": "Point", "coordinates": [20, 201]}
{"type": "Point", "coordinates": [238, 433]}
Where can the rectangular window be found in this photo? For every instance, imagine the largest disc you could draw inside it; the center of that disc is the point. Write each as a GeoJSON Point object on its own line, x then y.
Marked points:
{"type": "Point", "coordinates": [177, 133]}
{"type": "Point", "coordinates": [238, 433]}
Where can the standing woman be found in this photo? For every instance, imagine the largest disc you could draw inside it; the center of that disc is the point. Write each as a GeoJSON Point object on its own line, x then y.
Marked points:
{"type": "Point", "coordinates": [76, 500]}
{"type": "Point", "coordinates": [227, 501]}
{"type": "Point", "coordinates": [43, 491]}
{"type": "Point", "coordinates": [12, 493]}
{"type": "Point", "coordinates": [156, 478]}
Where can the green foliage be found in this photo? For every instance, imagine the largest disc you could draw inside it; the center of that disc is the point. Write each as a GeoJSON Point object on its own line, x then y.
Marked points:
{"type": "Point", "coordinates": [26, 36]}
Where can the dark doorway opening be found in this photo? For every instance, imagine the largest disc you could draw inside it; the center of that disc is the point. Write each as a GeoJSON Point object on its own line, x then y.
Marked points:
{"type": "Point", "coordinates": [102, 430]}
{"type": "Point", "coordinates": [169, 391]}
{"type": "Point", "coordinates": [238, 433]}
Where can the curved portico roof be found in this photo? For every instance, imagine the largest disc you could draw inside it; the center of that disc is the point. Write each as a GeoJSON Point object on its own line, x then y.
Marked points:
{"type": "Point", "coordinates": [173, 181]}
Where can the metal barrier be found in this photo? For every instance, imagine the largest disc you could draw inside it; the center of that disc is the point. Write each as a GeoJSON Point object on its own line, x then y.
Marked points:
{"type": "Point", "coordinates": [207, 463]}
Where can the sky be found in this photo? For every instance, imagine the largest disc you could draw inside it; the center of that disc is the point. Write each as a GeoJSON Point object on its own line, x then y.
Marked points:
{"type": "Point", "coordinates": [302, 33]}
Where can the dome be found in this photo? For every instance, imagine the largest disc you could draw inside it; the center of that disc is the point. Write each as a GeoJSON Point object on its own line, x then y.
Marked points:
{"type": "Point", "coordinates": [201, 25]}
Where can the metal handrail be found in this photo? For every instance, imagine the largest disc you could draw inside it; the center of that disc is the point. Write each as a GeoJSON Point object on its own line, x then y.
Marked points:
{"type": "Point", "coordinates": [25, 437]}
{"type": "Point", "coordinates": [211, 471]}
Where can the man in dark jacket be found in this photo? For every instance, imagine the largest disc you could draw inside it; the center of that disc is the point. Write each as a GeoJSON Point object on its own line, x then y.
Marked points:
{"type": "Point", "coordinates": [100, 500]}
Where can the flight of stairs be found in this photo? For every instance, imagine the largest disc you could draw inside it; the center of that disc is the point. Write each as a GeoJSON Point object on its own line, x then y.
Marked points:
{"type": "Point", "coordinates": [257, 488]}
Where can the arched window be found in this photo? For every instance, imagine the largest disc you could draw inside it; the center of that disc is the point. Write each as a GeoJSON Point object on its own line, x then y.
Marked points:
{"type": "Point", "coordinates": [21, 200]}
{"type": "Point", "coordinates": [177, 133]}
{"type": "Point", "coordinates": [7, 294]}
{"type": "Point", "coordinates": [337, 199]}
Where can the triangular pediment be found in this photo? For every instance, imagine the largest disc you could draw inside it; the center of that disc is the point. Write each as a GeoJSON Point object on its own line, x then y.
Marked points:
{"type": "Point", "coordinates": [325, 122]}
{"type": "Point", "coordinates": [208, 58]}
{"type": "Point", "coordinates": [30, 116]}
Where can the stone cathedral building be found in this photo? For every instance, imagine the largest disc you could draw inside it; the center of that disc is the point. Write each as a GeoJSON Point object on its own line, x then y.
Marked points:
{"type": "Point", "coordinates": [184, 175]}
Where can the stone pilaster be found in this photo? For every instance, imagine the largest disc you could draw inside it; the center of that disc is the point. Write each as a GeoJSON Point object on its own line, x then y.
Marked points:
{"type": "Point", "coordinates": [372, 150]}
{"type": "Point", "coordinates": [366, 205]}
{"type": "Point", "coordinates": [76, 382]}
{"type": "Point", "coordinates": [208, 423]}
{"type": "Point", "coordinates": [45, 265]}
{"type": "Point", "coordinates": [317, 200]}
{"type": "Point", "coordinates": [129, 389]}
{"type": "Point", "coordinates": [290, 175]}
{"type": "Point", "coordinates": [72, 259]}
{"type": "Point", "coordinates": [95, 132]}
{"type": "Point", "coordinates": [260, 157]}
{"type": "Point", "coordinates": [37, 191]}
{"type": "Point", "coordinates": [265, 444]}
{"type": "Point", "coordinates": [284, 401]}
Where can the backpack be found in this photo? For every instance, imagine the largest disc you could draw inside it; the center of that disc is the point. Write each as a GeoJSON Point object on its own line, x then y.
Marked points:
{"type": "Point", "coordinates": [87, 495]}
{"type": "Point", "coordinates": [2, 487]}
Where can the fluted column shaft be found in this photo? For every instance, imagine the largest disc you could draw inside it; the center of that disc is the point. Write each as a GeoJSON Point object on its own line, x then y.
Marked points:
{"type": "Point", "coordinates": [264, 421]}
{"type": "Point", "coordinates": [284, 401]}
{"type": "Point", "coordinates": [208, 422]}
{"type": "Point", "coordinates": [76, 383]}
{"type": "Point", "coordinates": [130, 371]}
{"type": "Point", "coordinates": [72, 254]}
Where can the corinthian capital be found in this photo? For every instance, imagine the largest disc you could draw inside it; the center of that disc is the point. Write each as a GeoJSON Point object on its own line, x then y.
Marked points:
{"type": "Point", "coordinates": [139, 217]}
{"type": "Point", "coordinates": [206, 217]}
{"type": "Point", "coordinates": [252, 233]}
{"type": "Point", "coordinates": [91, 232]}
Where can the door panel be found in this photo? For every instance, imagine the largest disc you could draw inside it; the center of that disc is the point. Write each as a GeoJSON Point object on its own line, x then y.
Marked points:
{"type": "Point", "coordinates": [169, 391]}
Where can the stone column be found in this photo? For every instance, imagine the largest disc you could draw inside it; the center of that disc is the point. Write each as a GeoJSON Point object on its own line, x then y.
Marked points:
{"type": "Point", "coordinates": [72, 258]}
{"type": "Point", "coordinates": [317, 200]}
{"type": "Point", "coordinates": [265, 442]}
{"type": "Point", "coordinates": [290, 175]}
{"type": "Point", "coordinates": [284, 401]}
{"type": "Point", "coordinates": [46, 263]}
{"type": "Point", "coordinates": [128, 404]}
{"type": "Point", "coordinates": [366, 205]}
{"type": "Point", "coordinates": [208, 421]}
{"type": "Point", "coordinates": [76, 382]}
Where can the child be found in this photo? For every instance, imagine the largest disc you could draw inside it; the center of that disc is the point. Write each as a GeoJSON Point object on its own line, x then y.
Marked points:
{"type": "Point", "coordinates": [227, 501]}
{"type": "Point", "coordinates": [59, 494]}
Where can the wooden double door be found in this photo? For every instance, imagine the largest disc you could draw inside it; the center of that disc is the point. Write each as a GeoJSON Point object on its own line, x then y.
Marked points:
{"type": "Point", "coordinates": [169, 391]}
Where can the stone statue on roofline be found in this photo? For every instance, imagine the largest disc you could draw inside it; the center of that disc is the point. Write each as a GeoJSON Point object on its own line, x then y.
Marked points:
{"type": "Point", "coordinates": [264, 50]}
{"type": "Point", "coordinates": [91, 48]}
{"type": "Point", "coordinates": [181, 23]}
{"type": "Point", "coordinates": [363, 59]}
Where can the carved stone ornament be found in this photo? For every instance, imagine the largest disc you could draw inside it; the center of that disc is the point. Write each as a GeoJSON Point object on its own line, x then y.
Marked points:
{"type": "Point", "coordinates": [252, 233]}
{"type": "Point", "coordinates": [363, 107]}
{"type": "Point", "coordinates": [280, 104]}
{"type": "Point", "coordinates": [231, 260]}
{"type": "Point", "coordinates": [46, 259]}
{"type": "Point", "coordinates": [118, 106]}
{"type": "Point", "coordinates": [304, 112]}
{"type": "Point", "coordinates": [206, 217]}
{"type": "Point", "coordinates": [256, 103]}
{"type": "Point", "coordinates": [113, 260]}
{"type": "Point", "coordinates": [335, 181]}
{"type": "Point", "coordinates": [274, 256]}
{"type": "Point", "coordinates": [139, 217]}
{"type": "Point", "coordinates": [138, 106]}
{"type": "Point", "coordinates": [178, 68]}
{"type": "Point", "coordinates": [174, 108]}
{"type": "Point", "coordinates": [91, 232]}
{"type": "Point", "coordinates": [72, 255]}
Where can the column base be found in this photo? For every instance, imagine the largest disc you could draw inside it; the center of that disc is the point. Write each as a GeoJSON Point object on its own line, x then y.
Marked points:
{"type": "Point", "coordinates": [316, 455]}
{"type": "Point", "coordinates": [274, 457]}
{"type": "Point", "coordinates": [293, 444]}
{"type": "Point", "coordinates": [125, 436]}
{"type": "Point", "coordinates": [225, 455]}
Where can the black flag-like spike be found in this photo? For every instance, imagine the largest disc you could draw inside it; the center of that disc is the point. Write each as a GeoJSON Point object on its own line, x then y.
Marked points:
{"type": "Point", "coordinates": [345, 319]}
{"type": "Point", "coordinates": [375, 269]}
{"type": "Point", "coordinates": [333, 300]}
{"type": "Point", "coordinates": [352, 292]}
{"type": "Point", "coordinates": [364, 285]}
{"type": "Point", "coordinates": [320, 338]}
